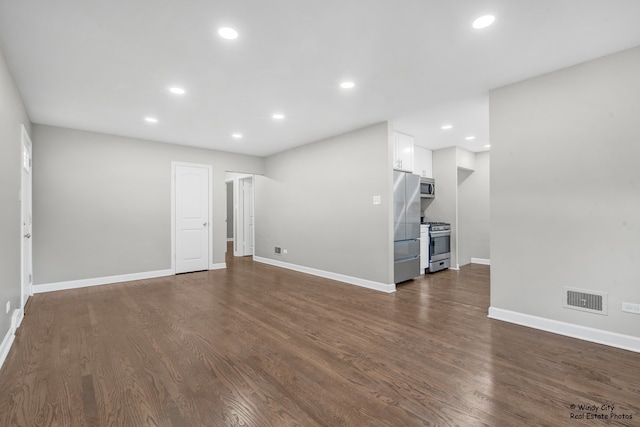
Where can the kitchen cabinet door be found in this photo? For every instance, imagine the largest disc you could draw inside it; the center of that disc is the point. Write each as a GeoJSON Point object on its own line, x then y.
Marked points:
{"type": "Point", "coordinates": [422, 162]}
{"type": "Point", "coordinates": [403, 152]}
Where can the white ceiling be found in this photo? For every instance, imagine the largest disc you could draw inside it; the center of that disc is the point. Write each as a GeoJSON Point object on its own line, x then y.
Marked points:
{"type": "Point", "coordinates": [468, 118]}
{"type": "Point", "coordinates": [105, 65]}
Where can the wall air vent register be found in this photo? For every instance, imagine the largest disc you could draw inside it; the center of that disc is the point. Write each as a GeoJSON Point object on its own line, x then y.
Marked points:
{"type": "Point", "coordinates": [585, 300]}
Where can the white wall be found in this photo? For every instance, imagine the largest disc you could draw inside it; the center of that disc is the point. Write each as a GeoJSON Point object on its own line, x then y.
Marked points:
{"type": "Point", "coordinates": [462, 199]}
{"type": "Point", "coordinates": [473, 209]}
{"type": "Point", "coordinates": [443, 207]}
{"type": "Point", "coordinates": [465, 159]}
{"type": "Point", "coordinates": [102, 203]}
{"type": "Point", "coordinates": [316, 202]}
{"type": "Point", "coordinates": [12, 116]}
{"type": "Point", "coordinates": [565, 191]}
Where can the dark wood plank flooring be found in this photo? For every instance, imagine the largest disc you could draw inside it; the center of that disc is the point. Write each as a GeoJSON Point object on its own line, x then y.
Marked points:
{"type": "Point", "coordinates": [255, 345]}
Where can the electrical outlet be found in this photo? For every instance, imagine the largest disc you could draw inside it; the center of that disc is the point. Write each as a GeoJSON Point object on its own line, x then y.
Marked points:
{"type": "Point", "coordinates": [284, 251]}
{"type": "Point", "coordinates": [631, 308]}
{"type": "Point", "coordinates": [8, 306]}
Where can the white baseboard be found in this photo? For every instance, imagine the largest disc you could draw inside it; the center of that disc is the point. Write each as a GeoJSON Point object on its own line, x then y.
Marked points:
{"type": "Point", "coordinates": [383, 287]}
{"type": "Point", "coordinates": [7, 341]}
{"type": "Point", "coordinates": [74, 284]}
{"type": "Point", "coordinates": [230, 239]}
{"type": "Point", "coordinates": [218, 266]}
{"type": "Point", "coordinates": [612, 339]}
{"type": "Point", "coordinates": [16, 318]}
{"type": "Point", "coordinates": [483, 261]}
{"type": "Point", "coordinates": [6, 345]}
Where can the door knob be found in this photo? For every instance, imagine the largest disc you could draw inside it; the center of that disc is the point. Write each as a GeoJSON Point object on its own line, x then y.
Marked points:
{"type": "Point", "coordinates": [28, 235]}
{"type": "Point", "coordinates": [204, 225]}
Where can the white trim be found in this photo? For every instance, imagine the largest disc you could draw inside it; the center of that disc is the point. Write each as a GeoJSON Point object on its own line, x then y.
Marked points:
{"type": "Point", "coordinates": [174, 163]}
{"type": "Point", "coordinates": [25, 143]}
{"type": "Point", "coordinates": [383, 287]}
{"type": "Point", "coordinates": [212, 266]}
{"type": "Point", "coordinates": [83, 283]}
{"type": "Point", "coordinates": [7, 341]}
{"type": "Point", "coordinates": [218, 266]}
{"type": "Point", "coordinates": [483, 261]}
{"type": "Point", "coordinates": [172, 208]}
{"type": "Point", "coordinates": [613, 339]}
{"type": "Point", "coordinates": [16, 318]}
{"type": "Point", "coordinates": [6, 345]}
{"type": "Point", "coordinates": [229, 239]}
{"type": "Point", "coordinates": [239, 234]}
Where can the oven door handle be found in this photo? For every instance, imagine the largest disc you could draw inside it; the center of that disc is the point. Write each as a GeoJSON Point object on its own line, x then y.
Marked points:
{"type": "Point", "coordinates": [441, 233]}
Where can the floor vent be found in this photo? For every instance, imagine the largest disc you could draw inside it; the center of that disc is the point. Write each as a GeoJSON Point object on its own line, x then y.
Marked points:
{"type": "Point", "coordinates": [586, 300]}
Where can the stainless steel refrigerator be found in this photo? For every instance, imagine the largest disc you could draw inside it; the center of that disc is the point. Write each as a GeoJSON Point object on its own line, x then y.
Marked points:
{"type": "Point", "coordinates": [406, 246]}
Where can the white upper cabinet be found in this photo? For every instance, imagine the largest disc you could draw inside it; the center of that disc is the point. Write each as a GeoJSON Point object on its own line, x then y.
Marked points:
{"type": "Point", "coordinates": [423, 162]}
{"type": "Point", "coordinates": [402, 152]}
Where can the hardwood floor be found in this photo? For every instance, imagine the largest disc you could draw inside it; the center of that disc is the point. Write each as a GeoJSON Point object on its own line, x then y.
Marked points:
{"type": "Point", "coordinates": [255, 345]}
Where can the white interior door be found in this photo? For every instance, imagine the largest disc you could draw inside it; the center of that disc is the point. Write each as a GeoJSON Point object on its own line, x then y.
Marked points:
{"type": "Point", "coordinates": [27, 223]}
{"type": "Point", "coordinates": [243, 212]}
{"type": "Point", "coordinates": [238, 213]}
{"type": "Point", "coordinates": [247, 199]}
{"type": "Point", "coordinates": [191, 218]}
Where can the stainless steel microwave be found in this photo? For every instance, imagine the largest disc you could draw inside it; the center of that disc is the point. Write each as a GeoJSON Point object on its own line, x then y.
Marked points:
{"type": "Point", "coordinates": [427, 188]}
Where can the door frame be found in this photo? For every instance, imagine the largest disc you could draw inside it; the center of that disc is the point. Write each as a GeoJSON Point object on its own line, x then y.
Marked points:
{"type": "Point", "coordinates": [174, 165]}
{"type": "Point", "coordinates": [26, 190]}
{"type": "Point", "coordinates": [237, 221]}
{"type": "Point", "coordinates": [248, 213]}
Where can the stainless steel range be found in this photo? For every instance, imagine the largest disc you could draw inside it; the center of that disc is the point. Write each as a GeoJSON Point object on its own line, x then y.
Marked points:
{"type": "Point", "coordinates": [439, 246]}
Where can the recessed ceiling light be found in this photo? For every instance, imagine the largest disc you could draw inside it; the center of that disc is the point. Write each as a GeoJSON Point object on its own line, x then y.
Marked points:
{"type": "Point", "coordinates": [228, 33]}
{"type": "Point", "coordinates": [278, 116]}
{"type": "Point", "coordinates": [446, 127]}
{"type": "Point", "coordinates": [470, 138]}
{"type": "Point", "coordinates": [236, 135]}
{"type": "Point", "coordinates": [176, 90]}
{"type": "Point", "coordinates": [487, 146]}
{"type": "Point", "coordinates": [483, 21]}
{"type": "Point", "coordinates": [347, 85]}
{"type": "Point", "coordinates": [151, 120]}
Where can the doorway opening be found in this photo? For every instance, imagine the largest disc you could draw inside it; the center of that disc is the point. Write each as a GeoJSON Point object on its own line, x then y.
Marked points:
{"type": "Point", "coordinates": [26, 214]}
{"type": "Point", "coordinates": [240, 218]}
